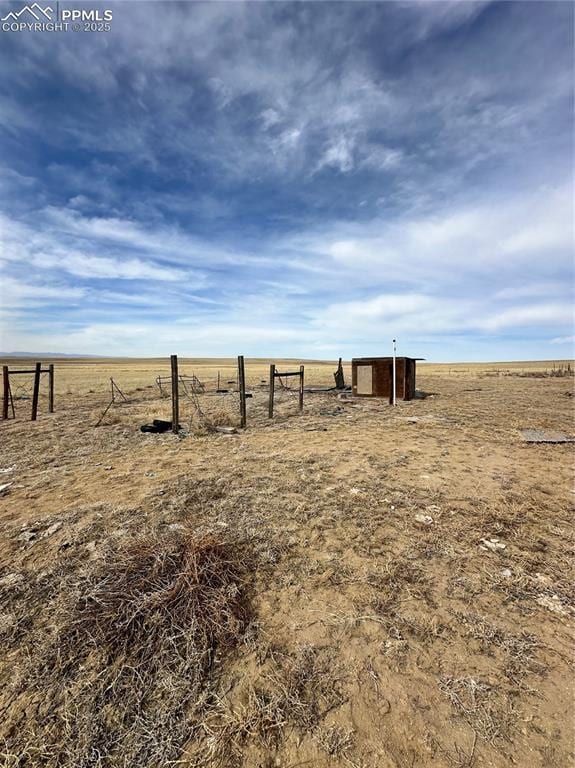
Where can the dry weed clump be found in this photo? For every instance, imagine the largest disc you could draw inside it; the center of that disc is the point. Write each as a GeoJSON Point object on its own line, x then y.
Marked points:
{"type": "Point", "coordinates": [489, 714]}
{"type": "Point", "coordinates": [129, 665]}
{"type": "Point", "coordinates": [219, 417]}
{"type": "Point", "coordinates": [334, 740]}
{"type": "Point", "coordinates": [296, 692]}
{"type": "Point", "coordinates": [519, 650]}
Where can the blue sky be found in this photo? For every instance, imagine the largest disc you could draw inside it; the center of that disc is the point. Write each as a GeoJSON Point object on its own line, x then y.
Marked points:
{"type": "Point", "coordinates": [291, 179]}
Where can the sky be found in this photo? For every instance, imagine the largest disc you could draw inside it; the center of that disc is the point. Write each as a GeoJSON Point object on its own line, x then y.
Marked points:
{"type": "Point", "coordinates": [303, 180]}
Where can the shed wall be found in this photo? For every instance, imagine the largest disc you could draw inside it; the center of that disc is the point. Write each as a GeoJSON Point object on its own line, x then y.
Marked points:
{"type": "Point", "coordinates": [380, 371]}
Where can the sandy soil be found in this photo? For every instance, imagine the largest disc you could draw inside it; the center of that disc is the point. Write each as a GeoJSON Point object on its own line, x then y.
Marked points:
{"type": "Point", "coordinates": [416, 577]}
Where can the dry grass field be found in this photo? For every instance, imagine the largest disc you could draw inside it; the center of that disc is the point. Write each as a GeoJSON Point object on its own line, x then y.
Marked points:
{"type": "Point", "coordinates": [356, 586]}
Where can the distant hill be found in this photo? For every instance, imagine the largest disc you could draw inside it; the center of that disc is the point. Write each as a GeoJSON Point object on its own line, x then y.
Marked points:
{"type": "Point", "coordinates": [42, 354]}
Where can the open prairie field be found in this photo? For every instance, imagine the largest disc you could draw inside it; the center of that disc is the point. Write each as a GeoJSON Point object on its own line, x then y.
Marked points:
{"type": "Point", "coordinates": [356, 585]}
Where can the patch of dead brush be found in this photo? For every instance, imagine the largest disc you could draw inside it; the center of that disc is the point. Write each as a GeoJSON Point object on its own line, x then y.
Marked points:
{"type": "Point", "coordinates": [488, 712]}
{"type": "Point", "coordinates": [518, 649]}
{"type": "Point", "coordinates": [399, 579]}
{"type": "Point", "coordinates": [135, 641]}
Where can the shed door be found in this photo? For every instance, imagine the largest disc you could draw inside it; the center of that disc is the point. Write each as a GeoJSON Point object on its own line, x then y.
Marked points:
{"type": "Point", "coordinates": [364, 380]}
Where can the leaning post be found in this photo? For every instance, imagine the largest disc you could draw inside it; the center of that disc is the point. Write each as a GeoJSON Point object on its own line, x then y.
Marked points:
{"type": "Point", "coordinates": [51, 388]}
{"type": "Point", "coordinates": [242, 388]}
{"type": "Point", "coordinates": [301, 387]}
{"type": "Point", "coordinates": [272, 386]}
{"type": "Point", "coordinates": [175, 395]}
{"type": "Point", "coordinates": [36, 393]}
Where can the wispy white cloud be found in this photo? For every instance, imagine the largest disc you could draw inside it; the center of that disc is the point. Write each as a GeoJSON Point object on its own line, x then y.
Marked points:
{"type": "Point", "coordinates": [16, 293]}
{"type": "Point", "coordinates": [563, 340]}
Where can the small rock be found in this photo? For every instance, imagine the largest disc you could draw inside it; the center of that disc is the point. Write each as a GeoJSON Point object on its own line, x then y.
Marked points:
{"type": "Point", "coordinates": [108, 468]}
{"type": "Point", "coordinates": [4, 487]}
{"type": "Point", "coordinates": [354, 491]}
{"type": "Point", "coordinates": [494, 545]}
{"type": "Point", "coordinates": [27, 536]}
{"type": "Point", "coordinates": [506, 573]}
{"type": "Point", "coordinates": [424, 519]}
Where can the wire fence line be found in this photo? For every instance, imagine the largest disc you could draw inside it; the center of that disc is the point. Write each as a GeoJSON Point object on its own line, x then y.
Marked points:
{"type": "Point", "coordinates": [212, 399]}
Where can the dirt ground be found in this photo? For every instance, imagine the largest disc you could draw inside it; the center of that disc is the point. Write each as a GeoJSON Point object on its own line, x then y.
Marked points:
{"type": "Point", "coordinates": [411, 594]}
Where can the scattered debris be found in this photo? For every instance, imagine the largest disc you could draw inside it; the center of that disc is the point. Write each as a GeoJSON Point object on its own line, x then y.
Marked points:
{"type": "Point", "coordinates": [337, 411]}
{"type": "Point", "coordinates": [545, 436]}
{"type": "Point", "coordinates": [506, 573]}
{"type": "Point", "coordinates": [492, 544]}
{"type": "Point", "coordinates": [51, 530]}
{"type": "Point", "coordinates": [4, 487]}
{"type": "Point", "coordinates": [158, 426]}
{"type": "Point", "coordinates": [339, 376]}
{"type": "Point", "coordinates": [226, 430]}
{"type": "Point", "coordinates": [7, 470]}
{"type": "Point", "coordinates": [424, 519]}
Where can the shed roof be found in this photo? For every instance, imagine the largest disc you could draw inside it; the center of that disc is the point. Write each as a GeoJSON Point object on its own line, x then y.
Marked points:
{"type": "Point", "coordinates": [398, 357]}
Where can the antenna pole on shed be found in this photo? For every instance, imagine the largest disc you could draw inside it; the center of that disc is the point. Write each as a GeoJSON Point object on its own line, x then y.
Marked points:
{"type": "Point", "coordinates": [393, 376]}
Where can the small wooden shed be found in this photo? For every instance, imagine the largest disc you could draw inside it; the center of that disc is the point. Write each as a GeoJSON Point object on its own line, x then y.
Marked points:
{"type": "Point", "coordinates": [373, 377]}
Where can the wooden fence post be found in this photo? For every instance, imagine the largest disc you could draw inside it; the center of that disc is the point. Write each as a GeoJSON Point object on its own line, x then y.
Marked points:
{"type": "Point", "coordinates": [272, 385]}
{"type": "Point", "coordinates": [175, 395]}
{"type": "Point", "coordinates": [6, 387]}
{"type": "Point", "coordinates": [301, 387]}
{"type": "Point", "coordinates": [242, 387]}
{"type": "Point", "coordinates": [36, 392]}
{"type": "Point", "coordinates": [51, 388]}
